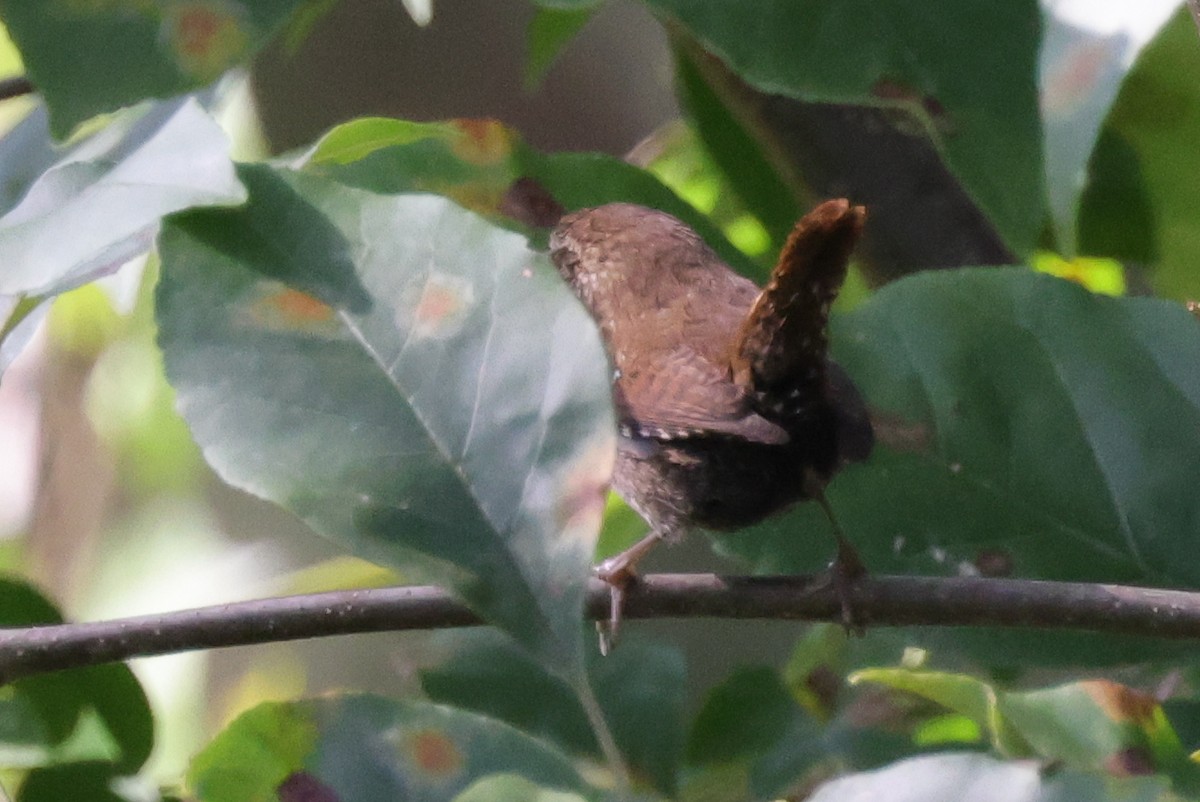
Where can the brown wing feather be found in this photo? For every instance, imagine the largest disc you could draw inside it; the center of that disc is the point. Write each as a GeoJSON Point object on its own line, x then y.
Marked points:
{"type": "Point", "coordinates": [677, 394]}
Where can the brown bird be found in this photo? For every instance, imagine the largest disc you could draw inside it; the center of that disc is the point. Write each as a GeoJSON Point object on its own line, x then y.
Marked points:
{"type": "Point", "coordinates": [728, 405]}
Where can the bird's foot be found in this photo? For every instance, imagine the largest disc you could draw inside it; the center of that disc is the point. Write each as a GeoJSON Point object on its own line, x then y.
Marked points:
{"type": "Point", "coordinates": [618, 575]}
{"type": "Point", "coordinates": [847, 568]}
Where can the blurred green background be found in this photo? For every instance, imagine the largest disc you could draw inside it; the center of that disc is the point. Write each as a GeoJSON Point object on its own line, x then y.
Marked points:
{"type": "Point", "coordinates": [106, 503]}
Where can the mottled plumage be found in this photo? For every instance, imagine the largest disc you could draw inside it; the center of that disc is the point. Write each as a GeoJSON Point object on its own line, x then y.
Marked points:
{"type": "Point", "coordinates": [729, 407]}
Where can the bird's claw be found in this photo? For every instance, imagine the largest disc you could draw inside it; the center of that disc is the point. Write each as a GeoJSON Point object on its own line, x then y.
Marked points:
{"type": "Point", "coordinates": [847, 568]}
{"type": "Point", "coordinates": [617, 574]}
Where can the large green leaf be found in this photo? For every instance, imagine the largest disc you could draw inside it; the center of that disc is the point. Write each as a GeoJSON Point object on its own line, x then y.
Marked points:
{"type": "Point", "coordinates": [92, 780]}
{"type": "Point", "coordinates": [640, 687]}
{"type": "Point", "coordinates": [476, 162]}
{"type": "Point", "coordinates": [738, 156]}
{"type": "Point", "coordinates": [26, 151]}
{"type": "Point", "coordinates": [1095, 724]}
{"type": "Point", "coordinates": [974, 93]}
{"type": "Point", "coordinates": [99, 205]}
{"type": "Point", "coordinates": [977, 778]}
{"type": "Point", "coordinates": [412, 381]}
{"type": "Point", "coordinates": [62, 718]}
{"type": "Point", "coordinates": [549, 31]}
{"type": "Point", "coordinates": [752, 740]}
{"type": "Point", "coordinates": [1141, 200]}
{"type": "Point", "coordinates": [1025, 426]}
{"type": "Point", "coordinates": [364, 748]}
{"type": "Point", "coordinates": [1021, 417]}
{"type": "Point", "coordinates": [91, 57]}
{"type": "Point", "coordinates": [1081, 72]}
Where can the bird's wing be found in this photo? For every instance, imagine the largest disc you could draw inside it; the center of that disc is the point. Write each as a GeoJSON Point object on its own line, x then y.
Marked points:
{"type": "Point", "coordinates": [676, 393]}
{"type": "Point", "coordinates": [782, 344]}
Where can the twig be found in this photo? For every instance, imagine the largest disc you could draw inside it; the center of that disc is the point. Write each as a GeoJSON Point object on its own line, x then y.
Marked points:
{"type": "Point", "coordinates": [16, 87]}
{"type": "Point", "coordinates": [877, 600]}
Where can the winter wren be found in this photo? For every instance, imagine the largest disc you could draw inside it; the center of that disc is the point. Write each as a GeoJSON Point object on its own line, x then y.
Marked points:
{"type": "Point", "coordinates": [728, 405]}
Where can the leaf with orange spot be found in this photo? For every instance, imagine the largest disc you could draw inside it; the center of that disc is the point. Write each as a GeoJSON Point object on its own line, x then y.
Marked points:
{"type": "Point", "coordinates": [434, 753]}
{"type": "Point", "coordinates": [301, 306]}
{"type": "Point", "coordinates": [206, 36]}
{"type": "Point", "coordinates": [90, 57]}
{"type": "Point", "coordinates": [414, 382]}
{"type": "Point", "coordinates": [444, 303]}
{"type": "Point", "coordinates": [478, 163]}
{"type": "Point", "coordinates": [482, 142]}
{"type": "Point", "coordinates": [337, 748]}
{"type": "Point", "coordinates": [1104, 725]}
{"type": "Point", "coordinates": [1120, 702]}
{"type": "Point", "coordinates": [1094, 725]}
{"type": "Point", "coordinates": [281, 308]}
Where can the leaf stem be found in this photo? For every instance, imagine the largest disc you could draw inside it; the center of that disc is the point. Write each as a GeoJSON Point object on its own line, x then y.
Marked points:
{"type": "Point", "coordinates": [604, 736]}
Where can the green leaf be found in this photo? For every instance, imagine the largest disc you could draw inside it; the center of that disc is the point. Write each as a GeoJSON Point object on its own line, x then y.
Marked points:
{"type": "Point", "coordinates": [413, 382]}
{"type": "Point", "coordinates": [512, 788]}
{"type": "Point", "coordinates": [1081, 71]}
{"type": "Point", "coordinates": [109, 192]}
{"type": "Point", "coordinates": [957, 692]}
{"type": "Point", "coordinates": [92, 781]}
{"type": "Point", "coordinates": [88, 58]}
{"type": "Point", "coordinates": [738, 155]}
{"type": "Point", "coordinates": [358, 747]}
{"type": "Point", "coordinates": [1018, 416]}
{"type": "Point", "coordinates": [1101, 724]}
{"type": "Point", "coordinates": [475, 162]}
{"type": "Point", "coordinates": [26, 151]}
{"type": "Point", "coordinates": [579, 180]}
{"type": "Point", "coordinates": [549, 31]}
{"type": "Point", "coordinates": [256, 753]}
{"type": "Point", "coordinates": [111, 696]}
{"type": "Point", "coordinates": [19, 321]}
{"type": "Point", "coordinates": [974, 93]}
{"type": "Point", "coordinates": [818, 656]}
{"type": "Point", "coordinates": [978, 778]}
{"type": "Point", "coordinates": [488, 674]}
{"type": "Point", "coordinates": [743, 719]}
{"type": "Point", "coordinates": [640, 687]}
{"type": "Point", "coordinates": [47, 716]}
{"type": "Point", "coordinates": [745, 715]}
{"type": "Point", "coordinates": [1096, 724]}
{"type": "Point", "coordinates": [1024, 422]}
{"type": "Point", "coordinates": [1139, 205]}
{"type": "Point", "coordinates": [752, 740]}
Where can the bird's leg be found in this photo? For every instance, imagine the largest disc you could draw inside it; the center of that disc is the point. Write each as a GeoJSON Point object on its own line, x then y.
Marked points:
{"type": "Point", "coordinates": [617, 572]}
{"type": "Point", "coordinates": [847, 568]}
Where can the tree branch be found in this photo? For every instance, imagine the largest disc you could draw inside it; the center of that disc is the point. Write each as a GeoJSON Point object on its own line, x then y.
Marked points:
{"type": "Point", "coordinates": [16, 87]}
{"type": "Point", "coordinates": [878, 600]}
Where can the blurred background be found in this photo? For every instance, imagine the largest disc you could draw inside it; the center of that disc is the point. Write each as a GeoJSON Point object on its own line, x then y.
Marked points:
{"type": "Point", "coordinates": [106, 503]}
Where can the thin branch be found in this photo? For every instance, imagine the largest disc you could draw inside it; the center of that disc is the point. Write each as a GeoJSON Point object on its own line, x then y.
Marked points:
{"type": "Point", "coordinates": [1194, 7]}
{"type": "Point", "coordinates": [877, 600]}
{"type": "Point", "coordinates": [16, 87]}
